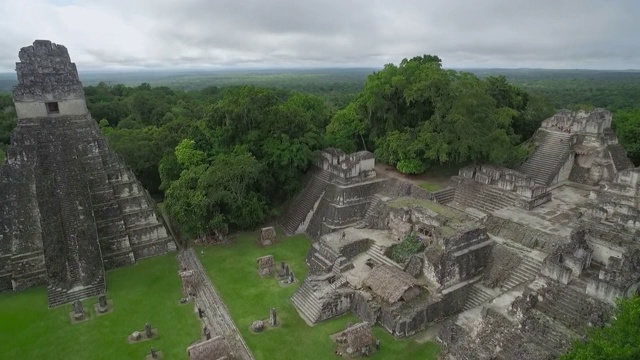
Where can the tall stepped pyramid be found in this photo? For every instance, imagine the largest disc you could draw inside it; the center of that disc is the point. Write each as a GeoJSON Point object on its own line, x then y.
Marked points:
{"type": "Point", "coordinates": [338, 193]}
{"type": "Point", "coordinates": [552, 151]}
{"type": "Point", "coordinates": [70, 208]}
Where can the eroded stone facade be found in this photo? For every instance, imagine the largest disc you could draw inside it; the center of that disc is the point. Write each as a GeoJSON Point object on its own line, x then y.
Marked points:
{"type": "Point", "coordinates": [69, 207]}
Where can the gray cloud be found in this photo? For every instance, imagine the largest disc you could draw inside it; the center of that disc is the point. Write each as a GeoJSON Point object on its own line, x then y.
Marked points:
{"type": "Point", "coordinates": [195, 33]}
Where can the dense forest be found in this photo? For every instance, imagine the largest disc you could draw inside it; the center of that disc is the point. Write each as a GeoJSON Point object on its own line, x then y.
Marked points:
{"type": "Point", "coordinates": [226, 157]}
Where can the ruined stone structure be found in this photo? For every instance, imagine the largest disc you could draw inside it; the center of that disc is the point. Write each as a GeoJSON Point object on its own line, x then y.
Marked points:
{"type": "Point", "coordinates": [580, 146]}
{"type": "Point", "coordinates": [70, 209]}
{"type": "Point", "coordinates": [351, 272]}
{"type": "Point", "coordinates": [338, 194]}
{"type": "Point", "coordinates": [533, 257]}
{"type": "Point", "coordinates": [214, 348]}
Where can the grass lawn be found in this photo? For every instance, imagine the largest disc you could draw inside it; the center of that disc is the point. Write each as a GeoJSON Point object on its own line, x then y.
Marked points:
{"type": "Point", "coordinates": [431, 186]}
{"type": "Point", "coordinates": [233, 270]}
{"type": "Point", "coordinates": [145, 292]}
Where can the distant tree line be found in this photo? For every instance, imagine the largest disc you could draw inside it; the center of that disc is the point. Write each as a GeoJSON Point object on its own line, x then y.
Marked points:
{"type": "Point", "coordinates": [227, 158]}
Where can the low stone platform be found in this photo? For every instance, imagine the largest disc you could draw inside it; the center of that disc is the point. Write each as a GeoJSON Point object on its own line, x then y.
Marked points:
{"type": "Point", "coordinates": [154, 335]}
{"type": "Point", "coordinates": [558, 216]}
{"type": "Point", "coordinates": [159, 356]}
{"type": "Point", "coordinates": [72, 319]}
{"type": "Point", "coordinates": [109, 309]}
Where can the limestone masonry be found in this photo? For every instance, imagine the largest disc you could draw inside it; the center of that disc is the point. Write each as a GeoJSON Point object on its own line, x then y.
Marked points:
{"type": "Point", "coordinates": [70, 209]}
{"type": "Point", "coordinates": [509, 264]}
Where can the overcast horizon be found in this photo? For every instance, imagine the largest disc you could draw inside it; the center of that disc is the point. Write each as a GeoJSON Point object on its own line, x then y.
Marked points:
{"type": "Point", "coordinates": [174, 35]}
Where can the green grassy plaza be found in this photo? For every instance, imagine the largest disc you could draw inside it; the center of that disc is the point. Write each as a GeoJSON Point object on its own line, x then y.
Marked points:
{"type": "Point", "coordinates": [233, 270]}
{"type": "Point", "coordinates": [149, 292]}
{"type": "Point", "coordinates": [145, 292]}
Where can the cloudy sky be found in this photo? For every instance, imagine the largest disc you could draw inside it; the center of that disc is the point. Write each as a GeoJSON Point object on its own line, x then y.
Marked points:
{"type": "Point", "coordinates": [595, 34]}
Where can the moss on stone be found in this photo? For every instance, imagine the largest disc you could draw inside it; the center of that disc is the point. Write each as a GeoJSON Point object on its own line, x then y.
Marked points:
{"type": "Point", "coordinates": [445, 211]}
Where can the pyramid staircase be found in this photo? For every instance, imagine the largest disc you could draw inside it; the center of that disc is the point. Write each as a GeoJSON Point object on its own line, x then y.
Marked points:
{"type": "Point", "coordinates": [526, 271]}
{"type": "Point", "coordinates": [546, 161]}
{"type": "Point", "coordinates": [376, 253]}
{"type": "Point", "coordinates": [374, 205]}
{"type": "Point", "coordinates": [486, 198]}
{"type": "Point", "coordinates": [58, 296]}
{"type": "Point", "coordinates": [445, 196]}
{"type": "Point", "coordinates": [304, 202]}
{"type": "Point", "coordinates": [305, 301]}
{"type": "Point", "coordinates": [476, 297]}
{"type": "Point", "coordinates": [549, 334]}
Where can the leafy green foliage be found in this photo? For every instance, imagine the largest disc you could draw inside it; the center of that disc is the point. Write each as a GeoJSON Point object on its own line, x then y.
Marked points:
{"type": "Point", "coordinates": [418, 115]}
{"type": "Point", "coordinates": [408, 246]}
{"type": "Point", "coordinates": [627, 127]}
{"type": "Point", "coordinates": [241, 160]}
{"type": "Point", "coordinates": [346, 130]}
{"type": "Point", "coordinates": [618, 341]}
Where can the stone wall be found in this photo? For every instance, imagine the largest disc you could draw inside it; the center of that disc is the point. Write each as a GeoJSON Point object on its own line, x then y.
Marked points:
{"type": "Point", "coordinates": [395, 188]}
{"type": "Point", "coordinates": [355, 248]}
{"type": "Point", "coordinates": [406, 319]}
{"type": "Point", "coordinates": [603, 291]}
{"type": "Point", "coordinates": [594, 122]}
{"type": "Point", "coordinates": [523, 234]}
{"type": "Point", "coordinates": [501, 264]}
{"type": "Point", "coordinates": [336, 304]}
{"type": "Point", "coordinates": [462, 257]}
{"type": "Point", "coordinates": [365, 307]}
{"type": "Point", "coordinates": [556, 271]}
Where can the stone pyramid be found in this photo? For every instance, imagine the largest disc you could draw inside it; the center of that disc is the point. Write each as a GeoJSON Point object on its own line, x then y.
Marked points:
{"type": "Point", "coordinates": [69, 206]}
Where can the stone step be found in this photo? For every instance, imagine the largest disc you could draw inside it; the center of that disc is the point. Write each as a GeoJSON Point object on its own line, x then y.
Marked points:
{"type": "Point", "coordinates": [306, 303]}
{"type": "Point", "coordinates": [376, 253]}
{"type": "Point", "coordinates": [339, 282]}
{"type": "Point", "coordinates": [302, 204]}
{"type": "Point", "coordinates": [545, 162]}
{"type": "Point", "coordinates": [549, 334]}
{"type": "Point", "coordinates": [57, 297]}
{"type": "Point", "coordinates": [476, 297]}
{"type": "Point", "coordinates": [564, 307]}
{"type": "Point", "coordinates": [526, 271]}
{"type": "Point", "coordinates": [444, 196]}
{"type": "Point", "coordinates": [309, 314]}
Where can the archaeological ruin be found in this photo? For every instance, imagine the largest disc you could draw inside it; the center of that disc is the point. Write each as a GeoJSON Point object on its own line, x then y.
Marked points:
{"type": "Point", "coordinates": [509, 263]}
{"type": "Point", "coordinates": [70, 208]}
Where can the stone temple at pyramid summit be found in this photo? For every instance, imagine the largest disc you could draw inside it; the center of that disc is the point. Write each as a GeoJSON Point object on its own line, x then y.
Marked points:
{"type": "Point", "coordinates": [70, 208]}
